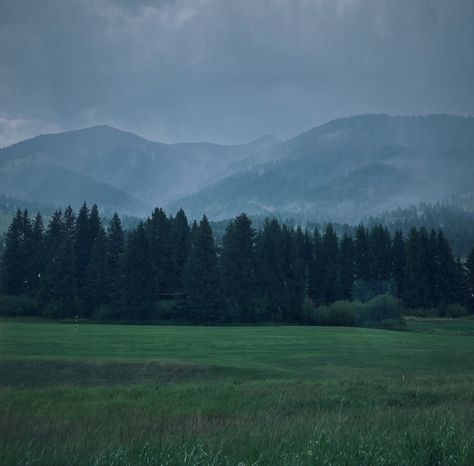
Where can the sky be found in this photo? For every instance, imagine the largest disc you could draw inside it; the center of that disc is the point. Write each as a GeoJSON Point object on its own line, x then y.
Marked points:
{"type": "Point", "coordinates": [228, 71]}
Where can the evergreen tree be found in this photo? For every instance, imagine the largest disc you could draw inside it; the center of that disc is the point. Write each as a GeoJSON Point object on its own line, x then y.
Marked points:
{"type": "Point", "coordinates": [238, 268]}
{"type": "Point", "coordinates": [158, 229]}
{"type": "Point", "coordinates": [69, 222]}
{"type": "Point", "coordinates": [362, 254]}
{"type": "Point", "coordinates": [202, 284]}
{"type": "Point", "coordinates": [115, 247]}
{"type": "Point", "coordinates": [411, 292]}
{"type": "Point", "coordinates": [83, 247]}
{"type": "Point", "coordinates": [379, 254]}
{"type": "Point", "coordinates": [181, 234]}
{"type": "Point", "coordinates": [62, 290]}
{"type": "Point", "coordinates": [36, 261]}
{"type": "Point", "coordinates": [448, 287]}
{"type": "Point", "coordinates": [470, 278]}
{"type": "Point", "coordinates": [398, 256]}
{"type": "Point", "coordinates": [330, 256]}
{"type": "Point", "coordinates": [137, 283]}
{"type": "Point", "coordinates": [98, 274]}
{"type": "Point", "coordinates": [316, 270]}
{"type": "Point", "coordinates": [346, 267]}
{"type": "Point", "coordinates": [292, 272]}
{"type": "Point", "coordinates": [270, 280]}
{"type": "Point", "coordinates": [14, 256]}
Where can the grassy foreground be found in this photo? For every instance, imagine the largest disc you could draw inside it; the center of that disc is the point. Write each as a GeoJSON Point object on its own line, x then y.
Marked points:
{"type": "Point", "coordinates": [142, 395]}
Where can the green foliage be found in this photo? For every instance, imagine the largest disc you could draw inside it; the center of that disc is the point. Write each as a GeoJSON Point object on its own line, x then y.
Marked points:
{"type": "Point", "coordinates": [18, 306]}
{"type": "Point", "coordinates": [456, 310]}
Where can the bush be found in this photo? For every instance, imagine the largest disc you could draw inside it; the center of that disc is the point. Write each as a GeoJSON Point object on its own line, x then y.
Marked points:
{"type": "Point", "coordinates": [380, 308]}
{"type": "Point", "coordinates": [106, 313]}
{"type": "Point", "coordinates": [343, 313]}
{"type": "Point", "coordinates": [394, 324]}
{"type": "Point", "coordinates": [16, 306]}
{"type": "Point", "coordinates": [423, 312]}
{"type": "Point", "coordinates": [456, 310]}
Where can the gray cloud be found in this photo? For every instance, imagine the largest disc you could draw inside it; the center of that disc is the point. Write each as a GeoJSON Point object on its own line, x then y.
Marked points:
{"type": "Point", "coordinates": [228, 70]}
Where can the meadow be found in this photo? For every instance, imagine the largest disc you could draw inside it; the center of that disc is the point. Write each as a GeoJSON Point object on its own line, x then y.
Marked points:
{"type": "Point", "coordinates": [263, 395]}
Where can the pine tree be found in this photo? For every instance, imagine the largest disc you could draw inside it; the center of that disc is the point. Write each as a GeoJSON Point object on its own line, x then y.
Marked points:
{"type": "Point", "coordinates": [83, 247]}
{"type": "Point", "coordinates": [14, 257]}
{"type": "Point", "coordinates": [270, 280]}
{"type": "Point", "coordinates": [36, 261]}
{"type": "Point", "coordinates": [316, 270]}
{"type": "Point", "coordinates": [63, 281]}
{"type": "Point", "coordinates": [69, 221]}
{"type": "Point", "coordinates": [379, 254]}
{"type": "Point", "coordinates": [448, 287]}
{"type": "Point", "coordinates": [411, 290]}
{"type": "Point", "coordinates": [362, 254]}
{"type": "Point", "coordinates": [137, 282]}
{"type": "Point", "coordinates": [115, 249]}
{"type": "Point", "coordinates": [398, 256]}
{"type": "Point", "coordinates": [202, 284]}
{"type": "Point", "coordinates": [238, 268]}
{"type": "Point", "coordinates": [181, 235]}
{"type": "Point", "coordinates": [292, 272]}
{"type": "Point", "coordinates": [163, 269]}
{"type": "Point", "coordinates": [330, 255]}
{"type": "Point", "coordinates": [346, 267]}
{"type": "Point", "coordinates": [470, 278]}
{"type": "Point", "coordinates": [98, 274]}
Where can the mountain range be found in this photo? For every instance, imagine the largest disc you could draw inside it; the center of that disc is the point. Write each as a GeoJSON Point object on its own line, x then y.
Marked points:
{"type": "Point", "coordinates": [342, 170]}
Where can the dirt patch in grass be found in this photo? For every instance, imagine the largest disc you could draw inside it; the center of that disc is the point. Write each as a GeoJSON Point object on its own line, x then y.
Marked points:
{"type": "Point", "coordinates": [37, 374]}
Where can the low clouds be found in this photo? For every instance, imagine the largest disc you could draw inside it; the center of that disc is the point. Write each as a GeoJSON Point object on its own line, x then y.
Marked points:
{"type": "Point", "coordinates": [229, 70]}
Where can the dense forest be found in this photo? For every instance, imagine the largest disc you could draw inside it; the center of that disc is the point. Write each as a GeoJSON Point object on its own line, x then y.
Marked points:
{"type": "Point", "coordinates": [166, 269]}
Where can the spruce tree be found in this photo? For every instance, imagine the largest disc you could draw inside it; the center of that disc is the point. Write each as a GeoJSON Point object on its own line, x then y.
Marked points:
{"type": "Point", "coordinates": [115, 249]}
{"type": "Point", "coordinates": [181, 235]}
{"type": "Point", "coordinates": [14, 258]}
{"type": "Point", "coordinates": [98, 274]}
{"type": "Point", "coordinates": [346, 267]}
{"type": "Point", "coordinates": [202, 284]}
{"type": "Point", "coordinates": [362, 254]}
{"type": "Point", "coordinates": [470, 278]}
{"type": "Point", "coordinates": [63, 281]}
{"type": "Point", "coordinates": [316, 270]}
{"type": "Point", "coordinates": [158, 228]}
{"type": "Point", "coordinates": [36, 261]}
{"type": "Point", "coordinates": [238, 269]}
{"type": "Point", "coordinates": [398, 256]}
{"type": "Point", "coordinates": [83, 246]}
{"type": "Point", "coordinates": [330, 255]}
{"type": "Point", "coordinates": [448, 287]}
{"type": "Point", "coordinates": [137, 281]}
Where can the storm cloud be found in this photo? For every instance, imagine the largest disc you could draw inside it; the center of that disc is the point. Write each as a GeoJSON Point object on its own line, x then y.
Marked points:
{"type": "Point", "coordinates": [228, 71]}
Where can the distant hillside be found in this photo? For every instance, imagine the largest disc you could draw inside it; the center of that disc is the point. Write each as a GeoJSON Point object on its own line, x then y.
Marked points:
{"type": "Point", "coordinates": [116, 169]}
{"type": "Point", "coordinates": [350, 168]}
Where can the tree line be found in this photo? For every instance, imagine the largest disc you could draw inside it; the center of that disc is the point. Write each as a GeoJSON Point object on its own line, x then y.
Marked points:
{"type": "Point", "coordinates": [167, 268]}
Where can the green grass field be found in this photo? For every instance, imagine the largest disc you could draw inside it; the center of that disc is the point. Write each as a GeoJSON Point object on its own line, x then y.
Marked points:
{"type": "Point", "coordinates": [152, 395]}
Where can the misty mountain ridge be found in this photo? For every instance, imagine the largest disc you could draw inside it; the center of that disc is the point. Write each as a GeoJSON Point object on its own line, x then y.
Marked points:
{"type": "Point", "coordinates": [350, 168]}
{"type": "Point", "coordinates": [342, 170]}
{"type": "Point", "coordinates": [117, 169]}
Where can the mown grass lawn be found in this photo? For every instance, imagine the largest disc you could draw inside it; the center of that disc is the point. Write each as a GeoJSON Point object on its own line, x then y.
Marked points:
{"type": "Point", "coordinates": [268, 395]}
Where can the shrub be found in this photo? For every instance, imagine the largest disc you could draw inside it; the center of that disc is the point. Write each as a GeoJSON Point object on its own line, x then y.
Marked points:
{"type": "Point", "coordinates": [343, 313]}
{"type": "Point", "coordinates": [394, 324]}
{"type": "Point", "coordinates": [106, 313]}
{"type": "Point", "coordinates": [382, 307]}
{"type": "Point", "coordinates": [456, 310]}
{"type": "Point", "coordinates": [16, 306]}
{"type": "Point", "coordinates": [364, 290]}
{"type": "Point", "coordinates": [423, 312]}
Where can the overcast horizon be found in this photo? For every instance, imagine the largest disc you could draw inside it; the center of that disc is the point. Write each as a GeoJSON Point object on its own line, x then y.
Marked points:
{"type": "Point", "coordinates": [228, 72]}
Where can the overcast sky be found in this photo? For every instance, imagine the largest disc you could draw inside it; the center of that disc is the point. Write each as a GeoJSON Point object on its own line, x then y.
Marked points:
{"type": "Point", "coordinates": [228, 70]}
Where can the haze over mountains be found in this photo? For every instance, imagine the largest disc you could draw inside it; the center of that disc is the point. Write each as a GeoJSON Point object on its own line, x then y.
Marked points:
{"type": "Point", "coordinates": [342, 170]}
